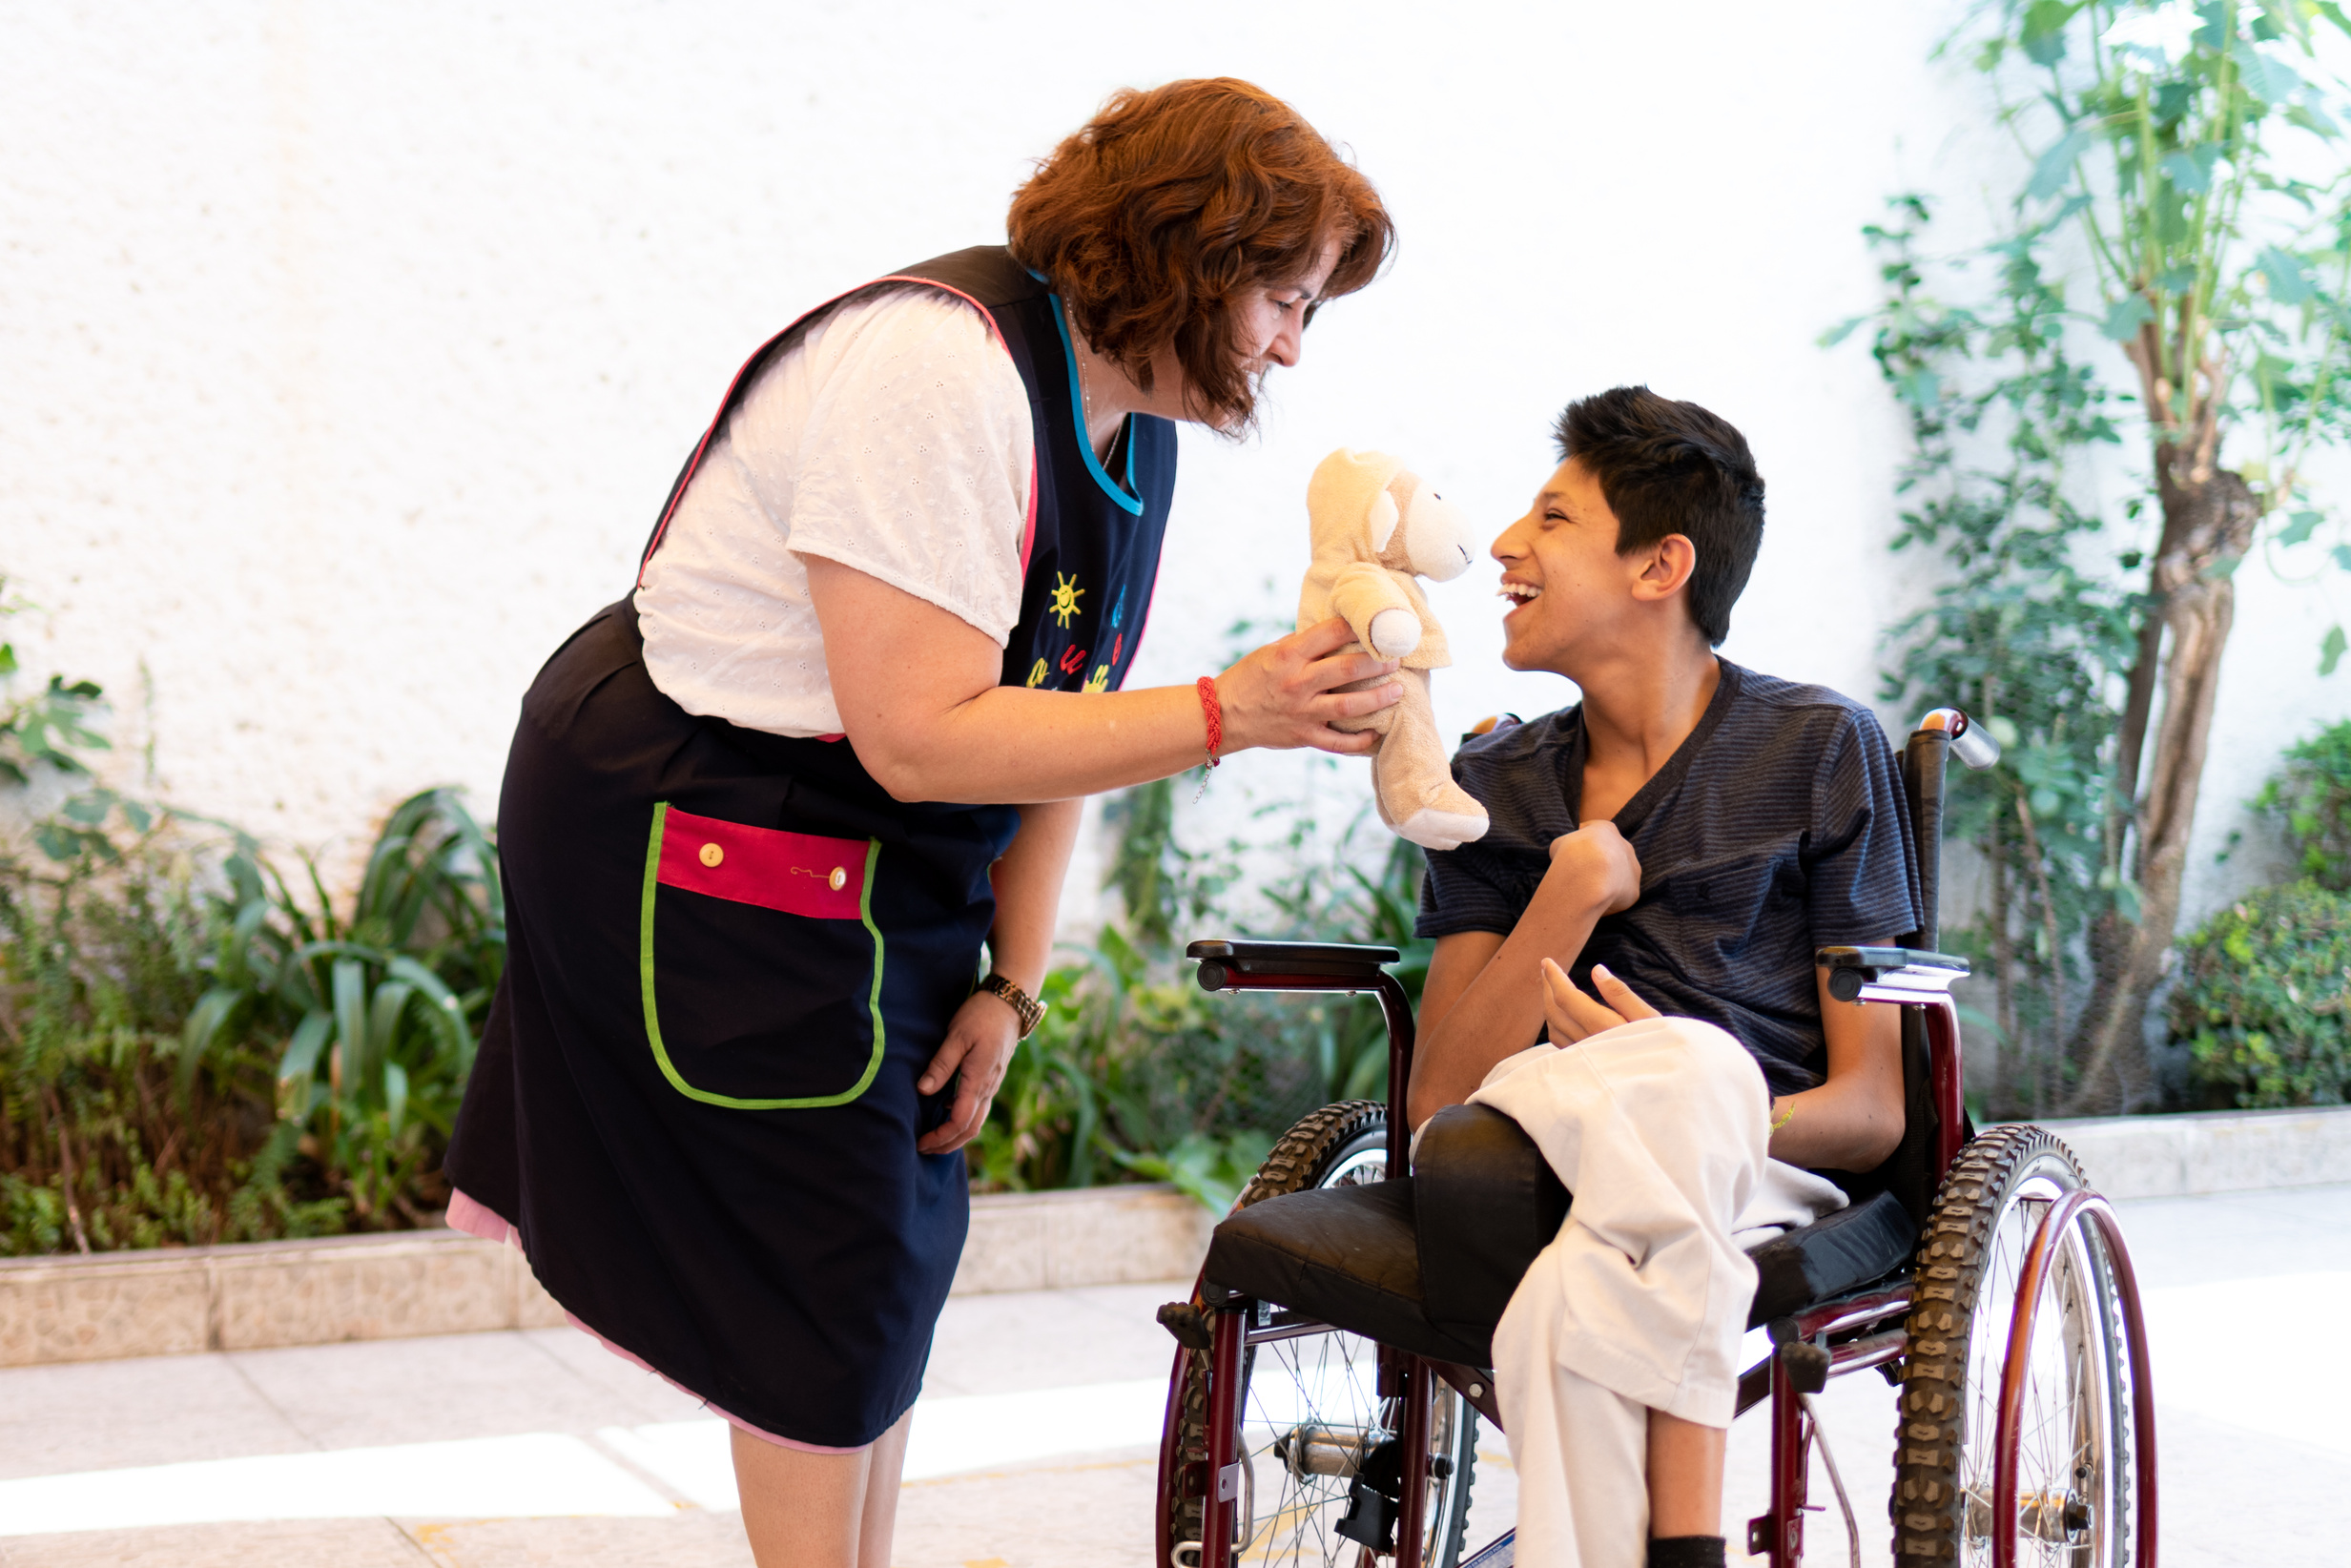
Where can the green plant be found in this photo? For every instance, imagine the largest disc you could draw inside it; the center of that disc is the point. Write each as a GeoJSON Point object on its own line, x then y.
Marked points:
{"type": "Point", "coordinates": [2260, 999]}
{"type": "Point", "coordinates": [2189, 155]}
{"type": "Point", "coordinates": [2311, 794]}
{"type": "Point", "coordinates": [104, 1141]}
{"type": "Point", "coordinates": [1135, 1073]}
{"type": "Point", "coordinates": [377, 1010]}
{"type": "Point", "coordinates": [2020, 633]}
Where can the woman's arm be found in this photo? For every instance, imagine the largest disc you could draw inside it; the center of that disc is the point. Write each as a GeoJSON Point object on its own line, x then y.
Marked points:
{"type": "Point", "coordinates": [986, 1030]}
{"type": "Point", "coordinates": [1484, 996]}
{"type": "Point", "coordinates": [918, 693]}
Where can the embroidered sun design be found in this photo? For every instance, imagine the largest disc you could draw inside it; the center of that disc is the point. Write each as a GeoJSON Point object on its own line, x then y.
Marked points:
{"type": "Point", "coordinates": [1065, 605]}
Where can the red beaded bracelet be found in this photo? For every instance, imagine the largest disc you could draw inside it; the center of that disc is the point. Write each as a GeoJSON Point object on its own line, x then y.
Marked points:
{"type": "Point", "coordinates": [1214, 714]}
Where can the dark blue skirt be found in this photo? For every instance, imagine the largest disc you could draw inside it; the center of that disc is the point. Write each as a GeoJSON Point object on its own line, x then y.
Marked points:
{"type": "Point", "coordinates": [730, 955]}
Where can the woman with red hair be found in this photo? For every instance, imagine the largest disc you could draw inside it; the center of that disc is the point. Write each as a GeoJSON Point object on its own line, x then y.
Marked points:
{"type": "Point", "coordinates": [761, 816]}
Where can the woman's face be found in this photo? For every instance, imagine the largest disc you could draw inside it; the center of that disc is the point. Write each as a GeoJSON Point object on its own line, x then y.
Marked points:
{"type": "Point", "coordinates": [1270, 321]}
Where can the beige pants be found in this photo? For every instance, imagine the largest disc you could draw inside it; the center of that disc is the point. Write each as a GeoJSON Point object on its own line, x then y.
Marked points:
{"type": "Point", "coordinates": [1658, 1129]}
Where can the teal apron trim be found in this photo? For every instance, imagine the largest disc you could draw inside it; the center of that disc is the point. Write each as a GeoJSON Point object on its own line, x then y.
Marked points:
{"type": "Point", "coordinates": [652, 1016]}
{"type": "Point", "coordinates": [1128, 502]}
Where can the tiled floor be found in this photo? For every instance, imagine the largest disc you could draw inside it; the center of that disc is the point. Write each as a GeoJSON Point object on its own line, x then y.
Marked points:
{"type": "Point", "coordinates": [435, 1437]}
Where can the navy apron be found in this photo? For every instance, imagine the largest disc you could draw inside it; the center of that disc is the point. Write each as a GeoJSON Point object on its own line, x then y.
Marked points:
{"type": "Point", "coordinates": [730, 954]}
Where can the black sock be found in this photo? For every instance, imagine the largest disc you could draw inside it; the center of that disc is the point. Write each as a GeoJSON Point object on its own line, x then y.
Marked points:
{"type": "Point", "coordinates": [1686, 1552]}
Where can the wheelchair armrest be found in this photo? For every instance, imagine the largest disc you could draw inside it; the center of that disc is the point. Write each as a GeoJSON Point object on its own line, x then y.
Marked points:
{"type": "Point", "coordinates": [1289, 966]}
{"type": "Point", "coordinates": [1894, 968]}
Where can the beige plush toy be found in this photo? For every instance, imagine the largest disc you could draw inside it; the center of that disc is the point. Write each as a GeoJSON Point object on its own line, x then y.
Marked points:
{"type": "Point", "coordinates": [1376, 525]}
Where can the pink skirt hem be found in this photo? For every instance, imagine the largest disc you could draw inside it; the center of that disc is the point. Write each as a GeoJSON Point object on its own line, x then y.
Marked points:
{"type": "Point", "coordinates": [478, 1219]}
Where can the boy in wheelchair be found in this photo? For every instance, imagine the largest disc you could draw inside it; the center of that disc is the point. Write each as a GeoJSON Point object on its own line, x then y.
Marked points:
{"type": "Point", "coordinates": [1678, 843]}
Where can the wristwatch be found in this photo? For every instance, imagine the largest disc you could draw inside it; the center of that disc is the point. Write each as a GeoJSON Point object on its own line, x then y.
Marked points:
{"type": "Point", "coordinates": [1032, 1011]}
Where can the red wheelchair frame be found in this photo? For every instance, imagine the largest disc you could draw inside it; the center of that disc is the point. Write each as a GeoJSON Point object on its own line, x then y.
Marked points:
{"type": "Point", "coordinates": [1857, 1332]}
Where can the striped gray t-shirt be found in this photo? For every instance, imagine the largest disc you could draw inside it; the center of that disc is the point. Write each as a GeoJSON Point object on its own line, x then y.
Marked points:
{"type": "Point", "coordinates": [1776, 828]}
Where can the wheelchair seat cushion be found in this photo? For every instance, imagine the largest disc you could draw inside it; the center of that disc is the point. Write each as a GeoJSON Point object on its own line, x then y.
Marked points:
{"type": "Point", "coordinates": [1428, 1262]}
{"type": "Point", "coordinates": [1343, 1255]}
{"type": "Point", "coordinates": [1856, 1246]}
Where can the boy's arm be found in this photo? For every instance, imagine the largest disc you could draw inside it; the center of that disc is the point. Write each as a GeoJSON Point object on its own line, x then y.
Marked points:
{"type": "Point", "coordinates": [1850, 1123]}
{"type": "Point", "coordinates": [1484, 996]}
{"type": "Point", "coordinates": [1853, 1120]}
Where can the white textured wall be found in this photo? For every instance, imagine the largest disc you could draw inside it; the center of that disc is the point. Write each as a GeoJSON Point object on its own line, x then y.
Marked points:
{"type": "Point", "coordinates": [350, 349]}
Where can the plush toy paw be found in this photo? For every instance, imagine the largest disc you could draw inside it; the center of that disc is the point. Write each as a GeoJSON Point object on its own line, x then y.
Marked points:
{"type": "Point", "coordinates": [1394, 633]}
{"type": "Point", "coordinates": [1447, 816]}
{"type": "Point", "coordinates": [1442, 829]}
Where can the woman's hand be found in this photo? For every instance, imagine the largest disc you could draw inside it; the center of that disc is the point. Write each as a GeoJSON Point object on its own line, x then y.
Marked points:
{"type": "Point", "coordinates": [1573, 1017]}
{"type": "Point", "coordinates": [980, 1043]}
{"type": "Point", "coordinates": [1285, 696]}
{"type": "Point", "coordinates": [1596, 859]}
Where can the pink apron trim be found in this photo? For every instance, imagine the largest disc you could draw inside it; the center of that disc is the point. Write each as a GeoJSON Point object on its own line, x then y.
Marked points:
{"type": "Point", "coordinates": [478, 1219]}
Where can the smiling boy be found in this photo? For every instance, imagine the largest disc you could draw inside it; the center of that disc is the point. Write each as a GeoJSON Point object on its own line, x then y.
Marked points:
{"type": "Point", "coordinates": [1693, 830]}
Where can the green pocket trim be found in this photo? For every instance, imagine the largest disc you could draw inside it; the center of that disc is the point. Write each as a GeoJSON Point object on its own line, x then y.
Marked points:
{"type": "Point", "coordinates": [652, 1014]}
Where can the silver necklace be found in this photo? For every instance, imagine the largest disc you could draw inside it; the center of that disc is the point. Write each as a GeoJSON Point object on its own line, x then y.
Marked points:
{"type": "Point", "coordinates": [1075, 343]}
{"type": "Point", "coordinates": [1086, 393]}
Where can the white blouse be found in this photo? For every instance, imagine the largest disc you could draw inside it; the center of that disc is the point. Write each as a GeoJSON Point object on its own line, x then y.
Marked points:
{"type": "Point", "coordinates": [893, 438]}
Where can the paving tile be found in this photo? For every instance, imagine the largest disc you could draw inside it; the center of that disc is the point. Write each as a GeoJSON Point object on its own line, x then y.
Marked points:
{"type": "Point", "coordinates": [2237, 1235]}
{"type": "Point", "coordinates": [636, 1395]}
{"type": "Point", "coordinates": [1091, 1513]}
{"type": "Point", "coordinates": [331, 1543]}
{"type": "Point", "coordinates": [2234, 1498]}
{"type": "Point", "coordinates": [155, 1410]}
{"type": "Point", "coordinates": [1000, 1344]}
{"type": "Point", "coordinates": [693, 1539]}
{"type": "Point", "coordinates": [411, 1391]}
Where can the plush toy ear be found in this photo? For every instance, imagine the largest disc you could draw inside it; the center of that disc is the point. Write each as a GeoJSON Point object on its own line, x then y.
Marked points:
{"type": "Point", "coordinates": [1345, 494]}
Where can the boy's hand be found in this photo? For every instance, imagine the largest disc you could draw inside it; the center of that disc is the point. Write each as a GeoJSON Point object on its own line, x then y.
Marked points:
{"type": "Point", "coordinates": [1600, 863]}
{"type": "Point", "coordinates": [1573, 1017]}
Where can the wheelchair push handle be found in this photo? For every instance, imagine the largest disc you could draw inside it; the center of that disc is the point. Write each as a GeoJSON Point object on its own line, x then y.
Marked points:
{"type": "Point", "coordinates": [1970, 741]}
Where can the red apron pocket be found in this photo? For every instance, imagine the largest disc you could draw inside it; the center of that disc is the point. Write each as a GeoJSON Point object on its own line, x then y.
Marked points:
{"type": "Point", "coordinates": [798, 872]}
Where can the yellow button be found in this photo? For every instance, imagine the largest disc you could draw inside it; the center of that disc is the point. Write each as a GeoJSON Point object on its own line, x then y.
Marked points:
{"type": "Point", "coordinates": [711, 854]}
{"type": "Point", "coordinates": [839, 879]}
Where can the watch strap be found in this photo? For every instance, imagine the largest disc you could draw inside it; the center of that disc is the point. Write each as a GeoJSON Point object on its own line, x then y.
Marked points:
{"type": "Point", "coordinates": [1032, 1011]}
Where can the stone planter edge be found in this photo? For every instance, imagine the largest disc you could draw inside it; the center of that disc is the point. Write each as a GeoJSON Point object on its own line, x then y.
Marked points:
{"type": "Point", "coordinates": [260, 1295]}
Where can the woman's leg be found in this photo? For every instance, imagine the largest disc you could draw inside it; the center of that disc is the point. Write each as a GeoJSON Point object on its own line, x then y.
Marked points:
{"type": "Point", "coordinates": [805, 1510]}
{"type": "Point", "coordinates": [801, 1510]}
{"type": "Point", "coordinates": [881, 1485]}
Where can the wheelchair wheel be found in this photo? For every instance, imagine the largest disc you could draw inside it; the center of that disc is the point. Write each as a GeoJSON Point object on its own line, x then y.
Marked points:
{"type": "Point", "coordinates": [2074, 1476]}
{"type": "Point", "coordinates": [1311, 1406]}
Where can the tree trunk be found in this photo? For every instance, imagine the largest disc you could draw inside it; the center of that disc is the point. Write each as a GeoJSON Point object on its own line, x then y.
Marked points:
{"type": "Point", "coordinates": [2209, 517]}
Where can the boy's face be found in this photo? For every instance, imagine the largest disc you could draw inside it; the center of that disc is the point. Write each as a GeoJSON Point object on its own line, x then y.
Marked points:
{"type": "Point", "coordinates": [1560, 569]}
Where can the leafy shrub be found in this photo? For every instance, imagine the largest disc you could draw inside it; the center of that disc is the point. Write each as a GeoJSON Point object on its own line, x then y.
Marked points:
{"type": "Point", "coordinates": [2312, 797]}
{"type": "Point", "coordinates": [190, 1052]}
{"type": "Point", "coordinates": [373, 1013]}
{"type": "Point", "coordinates": [108, 1138]}
{"type": "Point", "coordinates": [2260, 999]}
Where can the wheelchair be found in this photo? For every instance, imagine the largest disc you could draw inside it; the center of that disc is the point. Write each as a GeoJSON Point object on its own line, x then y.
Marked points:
{"type": "Point", "coordinates": [1334, 1358]}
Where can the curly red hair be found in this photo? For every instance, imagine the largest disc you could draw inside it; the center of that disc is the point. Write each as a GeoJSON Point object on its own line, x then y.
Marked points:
{"type": "Point", "coordinates": [1155, 217]}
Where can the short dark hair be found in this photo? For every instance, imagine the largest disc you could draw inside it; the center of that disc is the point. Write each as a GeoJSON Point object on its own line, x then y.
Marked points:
{"type": "Point", "coordinates": [1673, 467]}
